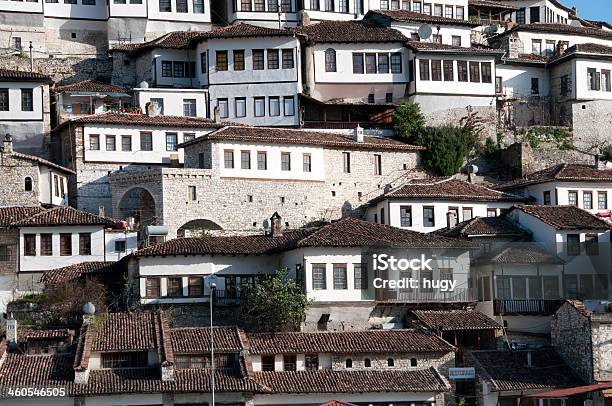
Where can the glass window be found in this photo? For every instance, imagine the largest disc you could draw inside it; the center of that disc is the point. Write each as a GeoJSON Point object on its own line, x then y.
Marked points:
{"type": "Point", "coordinates": [29, 244]}
{"type": "Point", "coordinates": [189, 108]}
{"type": "Point", "coordinates": [287, 6]}
{"type": "Point", "coordinates": [427, 8]}
{"type": "Point", "coordinates": [84, 243]}
{"type": "Point", "coordinates": [245, 159]}
{"type": "Point", "coordinates": [203, 61]}
{"type": "Point", "coordinates": [188, 137]}
{"type": "Point", "coordinates": [272, 58]}
{"type": "Point", "coordinates": [223, 106]}
{"type": "Point", "coordinates": [340, 281]}
{"type": "Point", "coordinates": [605, 81]}
{"type": "Point", "coordinates": [573, 244]}
{"type": "Point", "coordinates": [377, 164]}
{"type": "Point", "coordinates": [587, 200]}
{"type": "Point", "coordinates": [474, 72]}
{"type": "Point", "coordinates": [416, 6]}
{"type": "Point", "coordinates": [274, 102]}
{"type": "Point", "coordinates": [178, 69]}
{"type": "Point", "coordinates": [485, 67]}
{"type": "Point", "coordinates": [262, 160]}
{"type": "Point", "coordinates": [245, 5]}
{"type": "Point", "coordinates": [228, 159]}
{"type": "Point", "coordinates": [448, 11]}
{"type": "Point", "coordinates": [406, 216]}
{"type": "Point", "coordinates": [428, 217]}
{"type": "Point", "coordinates": [384, 4]}
{"type": "Point", "coordinates": [267, 363]}
{"type": "Point", "coordinates": [288, 62]}
{"type": "Point", "coordinates": [572, 198]}
{"type": "Point", "coordinates": [120, 245]}
{"type": "Point", "coordinates": [602, 200]}
{"type": "Point", "coordinates": [146, 141]}
{"type": "Point", "coordinates": [449, 75]}
{"type": "Point", "coordinates": [436, 38]}
{"type": "Point", "coordinates": [551, 287]}
{"type": "Point", "coordinates": [592, 244]}
{"type": "Point", "coordinates": [273, 5]}
{"type": "Point", "coordinates": [467, 213]}
{"type": "Point", "coordinates": [171, 141]}
{"type": "Point", "coordinates": [65, 244]}
{"type": "Point", "coordinates": [330, 60]}
{"type": "Point", "coordinates": [258, 59]}
{"type": "Point", "coordinates": [260, 106]}
{"type": "Point", "coordinates": [503, 287]}
{"type": "Point", "coordinates": [126, 143]}
{"type": "Point", "coordinates": [94, 142]}
{"type": "Point", "coordinates": [111, 143]}
{"type": "Point", "coordinates": [166, 69]}
{"type": "Point", "coordinates": [240, 107]}
{"type": "Point", "coordinates": [383, 63]}
{"type": "Point", "coordinates": [536, 46]}
{"type": "Point", "coordinates": [4, 100]}
{"type": "Point", "coordinates": [438, 10]}
{"type": "Point", "coordinates": [165, 6]}
{"type": "Point", "coordinates": [491, 212]}
{"type": "Point", "coordinates": [456, 40]}
{"type": "Point", "coordinates": [46, 244]}
{"type": "Point", "coordinates": [27, 100]}
{"type": "Point", "coordinates": [312, 362]}
{"type": "Point", "coordinates": [329, 5]}
{"type": "Point", "coordinates": [396, 63]}
{"type": "Point", "coordinates": [346, 162]}
{"type": "Point", "coordinates": [196, 286]}
{"type": "Point", "coordinates": [459, 13]}
{"type": "Point", "coordinates": [175, 287]}
{"type": "Point", "coordinates": [238, 59]}
{"type": "Point", "coordinates": [221, 60]}
{"type": "Point", "coordinates": [436, 70]}
{"type": "Point", "coordinates": [198, 6]}
{"type": "Point", "coordinates": [319, 281]}
{"type": "Point", "coordinates": [289, 362]}
{"type": "Point", "coordinates": [462, 71]}
{"type": "Point", "coordinates": [424, 69]}
{"type": "Point", "coordinates": [289, 105]}
{"type": "Point", "coordinates": [360, 275]}
{"type": "Point", "coordinates": [519, 287]}
{"type": "Point", "coordinates": [285, 161]}
{"type": "Point", "coordinates": [307, 163]}
{"type": "Point", "coordinates": [181, 6]}
{"type": "Point", "coordinates": [260, 5]}
{"type": "Point", "coordinates": [343, 6]}
{"type": "Point", "coordinates": [357, 63]}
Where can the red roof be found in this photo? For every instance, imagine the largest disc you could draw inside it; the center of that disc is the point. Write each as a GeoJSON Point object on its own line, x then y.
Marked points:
{"type": "Point", "coordinates": [337, 403]}
{"type": "Point", "coordinates": [563, 393]}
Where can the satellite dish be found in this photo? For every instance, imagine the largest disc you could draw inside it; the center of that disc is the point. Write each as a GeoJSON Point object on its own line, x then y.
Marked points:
{"type": "Point", "coordinates": [473, 169]}
{"type": "Point", "coordinates": [144, 84]}
{"type": "Point", "coordinates": [425, 31]}
{"type": "Point", "coordinates": [89, 309]}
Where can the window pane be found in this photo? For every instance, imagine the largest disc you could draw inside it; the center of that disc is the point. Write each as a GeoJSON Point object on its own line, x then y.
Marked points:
{"type": "Point", "coordinates": [274, 106]}
{"type": "Point", "coordinates": [272, 58]}
{"type": "Point", "coordinates": [289, 106]}
{"type": "Point", "coordinates": [340, 276]}
{"type": "Point", "coordinates": [357, 63]}
{"type": "Point", "coordinates": [238, 59]}
{"type": "Point", "coordinates": [318, 277]}
{"type": "Point", "coordinates": [171, 142]}
{"type": "Point", "coordinates": [241, 107]}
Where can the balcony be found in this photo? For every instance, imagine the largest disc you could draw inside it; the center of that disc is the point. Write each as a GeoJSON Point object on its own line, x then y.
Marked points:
{"type": "Point", "coordinates": [538, 307]}
{"type": "Point", "coordinates": [464, 295]}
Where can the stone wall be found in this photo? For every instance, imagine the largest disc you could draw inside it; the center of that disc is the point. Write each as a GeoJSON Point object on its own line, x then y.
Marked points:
{"type": "Point", "coordinates": [602, 346]}
{"type": "Point", "coordinates": [591, 121]}
{"type": "Point", "coordinates": [12, 188]}
{"type": "Point", "coordinates": [452, 117]}
{"type": "Point", "coordinates": [64, 70]}
{"type": "Point", "coordinates": [440, 361]}
{"type": "Point", "coordinates": [10, 239]}
{"type": "Point", "coordinates": [571, 337]}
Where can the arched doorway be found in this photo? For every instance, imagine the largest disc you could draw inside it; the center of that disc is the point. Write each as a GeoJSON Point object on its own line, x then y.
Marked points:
{"type": "Point", "coordinates": [139, 204]}
{"type": "Point", "coordinates": [197, 228]}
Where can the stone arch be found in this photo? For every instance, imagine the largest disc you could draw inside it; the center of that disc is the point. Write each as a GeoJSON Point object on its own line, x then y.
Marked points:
{"type": "Point", "coordinates": [139, 203]}
{"type": "Point", "coordinates": [197, 227]}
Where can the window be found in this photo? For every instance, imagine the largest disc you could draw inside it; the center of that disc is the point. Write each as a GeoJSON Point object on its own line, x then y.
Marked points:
{"type": "Point", "coordinates": [383, 63]}
{"type": "Point", "coordinates": [390, 362]}
{"type": "Point", "coordinates": [84, 243]}
{"type": "Point", "coordinates": [416, 7]}
{"type": "Point", "coordinates": [437, 38]}
{"type": "Point", "coordinates": [189, 108]}
{"type": "Point", "coordinates": [29, 244]}
{"type": "Point", "coordinates": [367, 363]}
{"type": "Point", "coordinates": [203, 62]}
{"type": "Point", "coordinates": [428, 217]}
{"type": "Point", "coordinates": [124, 360]}
{"type": "Point", "coordinates": [56, 185]}
{"type": "Point", "coordinates": [258, 59]}
{"type": "Point", "coordinates": [519, 287]}
{"type": "Point", "coordinates": [377, 164]}
{"type": "Point", "coordinates": [260, 106]}
{"type": "Point", "coordinates": [343, 6]}
{"type": "Point", "coordinates": [198, 6]}
{"type": "Point", "coordinates": [188, 137]}
{"type": "Point", "coordinates": [238, 59]}
{"type": "Point", "coordinates": [395, 4]}
{"type": "Point", "coordinates": [462, 71]}
{"type": "Point", "coordinates": [591, 244]}
{"type": "Point", "coordinates": [5, 253]}
{"type": "Point", "coordinates": [388, 97]}
{"type": "Point", "coordinates": [587, 200]}
{"type": "Point", "coordinates": [267, 363]}
{"type": "Point", "coordinates": [371, 99]}
{"type": "Point", "coordinates": [288, 62]}
{"type": "Point", "coordinates": [285, 161]}
{"type": "Point", "coordinates": [414, 36]}
{"type": "Point", "coordinates": [4, 100]}
{"type": "Point", "coordinates": [520, 16]}
{"type": "Point", "coordinates": [312, 362]}
{"type": "Point", "coordinates": [360, 276]}
{"type": "Point", "coordinates": [436, 70]}
{"type": "Point", "coordinates": [289, 362]}
{"type": "Point", "coordinates": [467, 213]}
{"type": "Point", "coordinates": [192, 193]}
{"type": "Point", "coordinates": [175, 287]}
{"type": "Point", "coordinates": [357, 63]}
{"type": "Point", "coordinates": [459, 13]}
{"type": "Point", "coordinates": [120, 245]}
{"type": "Point", "coordinates": [319, 281]}
{"type": "Point", "coordinates": [456, 40]}
{"type": "Point", "coordinates": [330, 60]}
{"type": "Point", "coordinates": [499, 81]}
{"type": "Point", "coordinates": [94, 142]}
{"type": "Point", "coordinates": [272, 58]}
{"type": "Point", "coordinates": [474, 72]}
{"type": "Point", "coordinates": [485, 68]}
{"type": "Point", "coordinates": [413, 362]}
{"type": "Point", "coordinates": [594, 78]}
{"type": "Point", "coordinates": [346, 162]}
{"type": "Point", "coordinates": [448, 11]}
{"type": "Point", "coordinates": [289, 106]}
{"type": "Point", "coordinates": [406, 216]}
{"type": "Point", "coordinates": [382, 215]}
{"type": "Point", "coordinates": [573, 244]}
{"type": "Point", "coordinates": [602, 200]}
{"type": "Point", "coordinates": [438, 10]}
{"type": "Point", "coordinates": [546, 198]}
{"type": "Point", "coordinates": [348, 363]}
{"type": "Point", "coordinates": [27, 184]}
{"type": "Point", "coordinates": [274, 106]}
{"type": "Point", "coordinates": [536, 46]}
{"type": "Point", "coordinates": [146, 141]}
{"type": "Point", "coordinates": [228, 159]}
{"type": "Point", "coordinates": [221, 60]}
{"type": "Point", "coordinates": [262, 160]}
{"type": "Point", "coordinates": [178, 69]}
{"type": "Point", "coordinates": [535, 86]}
{"type": "Point", "coordinates": [165, 6]}
{"type": "Point", "coordinates": [340, 281]}
{"type": "Point", "coordinates": [65, 244]}
{"type": "Point", "coordinates": [551, 287]}
{"type": "Point", "coordinates": [222, 105]}
{"type": "Point", "coordinates": [126, 143]}
{"type": "Point", "coordinates": [306, 162]}
{"type": "Point", "coordinates": [491, 212]}
{"type": "Point", "coordinates": [110, 143]}
{"type": "Point", "coordinates": [534, 14]}
{"type": "Point", "coordinates": [424, 69]}
{"type": "Point", "coordinates": [181, 6]}
{"type": "Point", "coordinates": [171, 141]}
{"type": "Point", "coordinates": [46, 244]}
{"type": "Point", "coordinates": [260, 5]}
{"type": "Point", "coordinates": [329, 5]}
{"type": "Point", "coordinates": [195, 286]}
{"type": "Point", "coordinates": [287, 6]}
{"type": "Point", "coordinates": [27, 100]}
{"type": "Point", "coordinates": [245, 159]}
{"type": "Point", "coordinates": [240, 107]}
{"type": "Point", "coordinates": [370, 60]}
{"type": "Point", "coordinates": [572, 198]}
{"type": "Point", "coordinates": [273, 5]}
{"type": "Point", "coordinates": [427, 8]}
{"type": "Point", "coordinates": [605, 81]}
{"type": "Point", "coordinates": [201, 160]}
{"type": "Point", "coordinates": [448, 71]}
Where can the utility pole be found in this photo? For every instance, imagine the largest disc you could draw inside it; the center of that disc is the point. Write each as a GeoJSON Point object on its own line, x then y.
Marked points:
{"type": "Point", "coordinates": [31, 58]}
{"type": "Point", "coordinates": [213, 286]}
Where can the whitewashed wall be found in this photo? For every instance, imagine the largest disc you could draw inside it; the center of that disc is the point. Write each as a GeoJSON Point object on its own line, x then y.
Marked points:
{"type": "Point", "coordinates": [15, 113]}
{"type": "Point", "coordinates": [516, 80]}
{"type": "Point", "coordinates": [173, 100]}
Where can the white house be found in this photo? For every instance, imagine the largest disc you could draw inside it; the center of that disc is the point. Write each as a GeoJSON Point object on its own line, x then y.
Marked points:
{"type": "Point", "coordinates": [430, 204]}
{"type": "Point", "coordinates": [88, 97]}
{"type": "Point", "coordinates": [541, 11]}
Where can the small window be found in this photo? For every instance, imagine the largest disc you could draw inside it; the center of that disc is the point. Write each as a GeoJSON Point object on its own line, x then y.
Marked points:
{"type": "Point", "coordinates": [195, 286]}
{"type": "Point", "coordinates": [602, 200]}
{"type": "Point", "coordinates": [258, 59]}
{"type": "Point", "coordinates": [371, 98]}
{"type": "Point", "coordinates": [289, 106]}
{"type": "Point", "coordinates": [4, 99]}
{"type": "Point", "coordinates": [572, 198]}
{"type": "Point", "coordinates": [259, 106]}
{"type": "Point", "coordinates": [111, 143]}
{"type": "Point", "coordinates": [546, 198]}
{"type": "Point", "coordinates": [27, 100]}
{"type": "Point", "coordinates": [228, 159]}
{"type": "Point", "coordinates": [272, 58]}
{"type": "Point", "coordinates": [307, 163]}
{"type": "Point", "coordinates": [413, 362]}
{"type": "Point", "coordinates": [358, 63]}
{"type": "Point", "coordinates": [240, 107]}
{"type": "Point", "coordinates": [346, 162]}
{"type": "Point", "coordinates": [238, 59]}
{"type": "Point", "coordinates": [405, 216]}
{"type": "Point", "coordinates": [245, 159]}
{"type": "Point", "coordinates": [188, 137]}
{"type": "Point", "coordinates": [424, 69]}
{"type": "Point", "coordinates": [189, 108]}
{"type": "Point", "coordinates": [285, 161]}
{"type": "Point", "coordinates": [428, 217]}
{"type": "Point", "coordinates": [456, 40]}
{"type": "Point", "coordinates": [311, 362]}
{"type": "Point", "coordinates": [65, 244]}
{"type": "Point", "coordinates": [29, 244]}
{"type": "Point", "coordinates": [288, 62]}
{"type": "Point", "coordinates": [203, 62]}
{"type": "Point", "coordinates": [174, 287]}
{"type": "Point", "coordinates": [348, 363]}
{"type": "Point", "coordinates": [192, 193]}
{"type": "Point", "coordinates": [267, 363]}
{"type": "Point", "coordinates": [223, 107]}
{"type": "Point", "coordinates": [367, 363]}
{"type": "Point", "coordinates": [274, 106]}
{"type": "Point", "coordinates": [5, 253]}
{"type": "Point", "coordinates": [221, 61]}
{"type": "Point", "coordinates": [84, 243]}
{"type": "Point", "coordinates": [319, 280]}
{"type": "Point", "coordinates": [587, 200]}
{"type": "Point", "coordinates": [262, 160]}
{"type": "Point", "coordinates": [27, 184]}
{"type": "Point", "coordinates": [535, 86]}
{"type": "Point", "coordinates": [46, 244]}
{"type": "Point", "coordinates": [340, 277]}
{"type": "Point", "coordinates": [330, 60]}
{"type": "Point", "coordinates": [126, 143]}
{"type": "Point", "coordinates": [377, 164]}
{"type": "Point", "coordinates": [146, 141]}
{"type": "Point", "coordinates": [120, 245]}
{"type": "Point", "coordinates": [390, 362]}
{"type": "Point", "coordinates": [289, 363]}
{"type": "Point", "coordinates": [153, 287]}
{"type": "Point", "coordinates": [171, 142]}
{"type": "Point", "coordinates": [573, 244]}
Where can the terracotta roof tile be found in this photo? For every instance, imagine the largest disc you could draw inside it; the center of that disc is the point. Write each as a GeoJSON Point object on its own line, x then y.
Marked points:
{"type": "Point", "coordinates": [12, 214]}
{"type": "Point", "coordinates": [519, 253]}
{"type": "Point", "coordinates": [171, 40]}
{"type": "Point", "coordinates": [76, 271]}
{"type": "Point", "coordinates": [124, 332]}
{"type": "Point", "coordinates": [580, 307]}
{"type": "Point", "coordinates": [57, 216]}
{"type": "Point", "coordinates": [452, 49]}
{"type": "Point", "coordinates": [566, 217]}
{"type": "Point", "coordinates": [284, 136]}
{"type": "Point", "coordinates": [559, 29]}
{"type": "Point", "coordinates": [8, 75]}
{"type": "Point", "coordinates": [349, 32]}
{"type": "Point", "coordinates": [190, 340]}
{"type": "Point", "coordinates": [346, 381]}
{"type": "Point", "coordinates": [561, 173]}
{"type": "Point", "coordinates": [37, 370]}
{"type": "Point", "coordinates": [90, 86]}
{"type": "Point", "coordinates": [479, 226]}
{"type": "Point", "coordinates": [412, 16]}
{"type": "Point", "coordinates": [508, 370]}
{"type": "Point", "coordinates": [492, 4]}
{"type": "Point", "coordinates": [242, 30]}
{"type": "Point", "coordinates": [28, 333]}
{"type": "Point", "coordinates": [347, 342]}
{"type": "Point", "coordinates": [454, 320]}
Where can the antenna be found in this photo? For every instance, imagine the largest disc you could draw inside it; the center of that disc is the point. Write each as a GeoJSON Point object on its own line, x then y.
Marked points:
{"type": "Point", "coordinates": [425, 31]}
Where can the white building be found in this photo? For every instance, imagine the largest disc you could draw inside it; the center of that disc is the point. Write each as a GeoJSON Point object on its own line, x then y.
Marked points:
{"type": "Point", "coordinates": [430, 204]}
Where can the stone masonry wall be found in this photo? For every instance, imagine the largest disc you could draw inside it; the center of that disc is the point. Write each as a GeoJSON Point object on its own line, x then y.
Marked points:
{"type": "Point", "coordinates": [602, 347]}
{"type": "Point", "coordinates": [571, 337]}
{"type": "Point", "coordinates": [10, 239]}
{"type": "Point", "coordinates": [64, 70]}
{"type": "Point", "coordinates": [12, 191]}
{"type": "Point", "coordinates": [440, 361]}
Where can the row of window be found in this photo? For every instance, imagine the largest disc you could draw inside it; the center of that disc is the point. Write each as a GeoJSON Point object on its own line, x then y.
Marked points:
{"type": "Point", "coordinates": [174, 287]}
{"type": "Point", "coordinates": [598, 80]}
{"type": "Point", "coordinates": [286, 6]}
{"type": "Point", "coordinates": [438, 70]}
{"type": "Point", "coordinates": [261, 59]}
{"type": "Point", "coordinates": [146, 141]}
{"type": "Point", "coordinates": [259, 106]}
{"type": "Point", "coordinates": [534, 16]}
{"type": "Point", "coordinates": [27, 99]}
{"type": "Point", "coordinates": [190, 106]}
{"type": "Point", "coordinates": [547, 287]}
{"type": "Point", "coordinates": [548, 48]}
{"type": "Point", "coordinates": [165, 6]}
{"type": "Point", "coordinates": [340, 277]}
{"type": "Point", "coordinates": [311, 362]}
{"type": "Point", "coordinates": [178, 69]}
{"type": "Point", "coordinates": [222, 361]}
{"type": "Point", "coordinates": [369, 63]}
{"type": "Point", "coordinates": [46, 244]}
{"type": "Point", "coordinates": [438, 10]}
{"type": "Point", "coordinates": [587, 199]}
{"type": "Point", "coordinates": [328, 5]}
{"type": "Point", "coordinates": [429, 218]}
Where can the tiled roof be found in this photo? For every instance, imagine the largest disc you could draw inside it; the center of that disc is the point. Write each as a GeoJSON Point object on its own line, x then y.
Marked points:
{"type": "Point", "coordinates": [580, 49]}
{"type": "Point", "coordinates": [509, 371]}
{"type": "Point", "coordinates": [42, 161]}
{"type": "Point", "coordinates": [527, 58]}
{"type": "Point", "coordinates": [491, 4]}
{"type": "Point", "coordinates": [144, 120]}
{"type": "Point", "coordinates": [555, 2]}
{"type": "Point", "coordinates": [39, 370]}
{"type": "Point", "coordinates": [558, 29]}
{"type": "Point", "coordinates": [565, 217]}
{"type": "Point", "coordinates": [29, 333]}
{"type": "Point", "coordinates": [58, 216]}
{"type": "Point", "coordinates": [519, 253]}
{"type": "Point", "coordinates": [349, 32]}
{"type": "Point", "coordinates": [190, 340]}
{"type": "Point", "coordinates": [580, 307]}
{"type": "Point", "coordinates": [242, 30]}
{"type": "Point", "coordinates": [453, 320]}
{"type": "Point", "coordinates": [90, 86]}
{"type": "Point", "coordinates": [172, 40]}
{"type": "Point", "coordinates": [347, 381]}
{"type": "Point", "coordinates": [347, 342]}
{"type": "Point", "coordinates": [75, 271]}
{"type": "Point", "coordinates": [8, 75]}
{"type": "Point", "coordinates": [348, 232]}
{"type": "Point", "coordinates": [447, 189]}
{"type": "Point", "coordinates": [12, 214]}
{"type": "Point", "coordinates": [479, 226]}
{"type": "Point", "coordinates": [411, 16]}
{"type": "Point", "coordinates": [561, 173]}
{"type": "Point", "coordinates": [420, 46]}
{"type": "Point", "coordinates": [124, 332]}
{"type": "Point", "coordinates": [302, 137]}
{"type": "Point", "coordinates": [337, 403]}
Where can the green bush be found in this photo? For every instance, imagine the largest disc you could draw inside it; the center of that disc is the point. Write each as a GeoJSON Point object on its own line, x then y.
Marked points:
{"type": "Point", "coordinates": [408, 121]}
{"type": "Point", "coordinates": [446, 148]}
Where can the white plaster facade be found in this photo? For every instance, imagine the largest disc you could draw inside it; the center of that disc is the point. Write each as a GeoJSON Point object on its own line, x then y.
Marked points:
{"type": "Point", "coordinates": [539, 11]}
{"type": "Point", "coordinates": [173, 101]}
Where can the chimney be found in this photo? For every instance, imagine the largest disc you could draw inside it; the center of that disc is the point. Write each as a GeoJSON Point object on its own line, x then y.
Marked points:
{"type": "Point", "coordinates": [174, 161]}
{"type": "Point", "coordinates": [216, 114]}
{"type": "Point", "coordinates": [529, 362]}
{"type": "Point", "coordinates": [101, 212]}
{"type": "Point", "coordinates": [11, 330]}
{"type": "Point", "coordinates": [358, 133]}
{"type": "Point", "coordinates": [8, 144]}
{"type": "Point", "coordinates": [275, 222]}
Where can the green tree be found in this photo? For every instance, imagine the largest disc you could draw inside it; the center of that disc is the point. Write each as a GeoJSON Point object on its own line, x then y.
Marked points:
{"type": "Point", "coordinates": [446, 148]}
{"type": "Point", "coordinates": [408, 121]}
{"type": "Point", "coordinates": [276, 303]}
